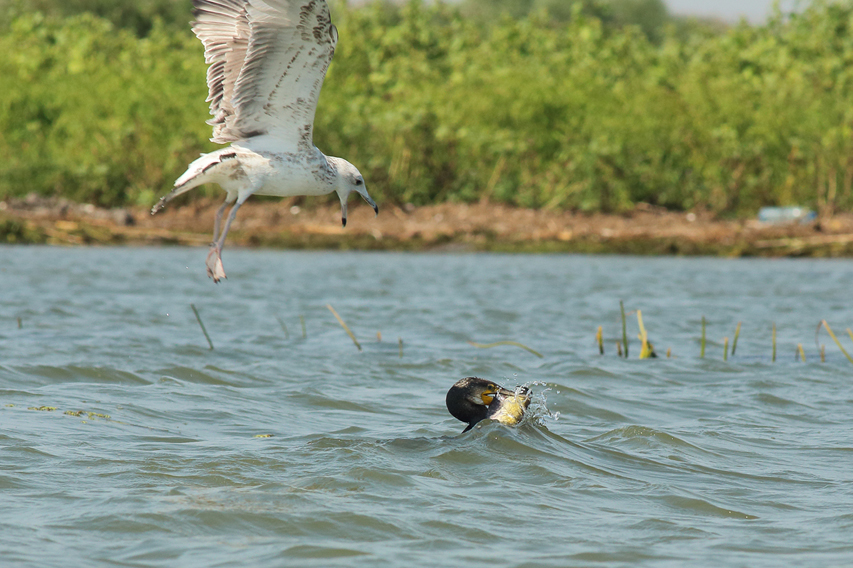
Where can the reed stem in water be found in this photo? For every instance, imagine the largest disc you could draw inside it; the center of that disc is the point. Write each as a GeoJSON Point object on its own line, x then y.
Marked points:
{"type": "Point", "coordinates": [645, 350]}
{"type": "Point", "coordinates": [283, 327]}
{"type": "Point", "coordinates": [20, 323]}
{"type": "Point", "coordinates": [600, 339]}
{"type": "Point", "coordinates": [344, 325]}
{"type": "Point", "coordinates": [832, 335]}
{"type": "Point", "coordinates": [801, 352]}
{"type": "Point", "coordinates": [734, 343]}
{"type": "Point", "coordinates": [624, 328]}
{"type": "Point", "coordinates": [823, 353]}
{"type": "Point", "coordinates": [400, 343]}
{"type": "Point", "coordinates": [619, 348]}
{"type": "Point", "coordinates": [302, 321]}
{"type": "Point", "coordinates": [726, 349]}
{"type": "Point", "coordinates": [203, 330]}
{"type": "Point", "coordinates": [774, 342]}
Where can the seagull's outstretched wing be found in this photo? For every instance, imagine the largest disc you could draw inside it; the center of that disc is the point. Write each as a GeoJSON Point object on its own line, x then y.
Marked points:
{"type": "Point", "coordinates": [268, 59]}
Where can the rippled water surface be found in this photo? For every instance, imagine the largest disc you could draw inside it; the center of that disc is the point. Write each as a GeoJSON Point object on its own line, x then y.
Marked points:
{"type": "Point", "coordinates": [126, 441]}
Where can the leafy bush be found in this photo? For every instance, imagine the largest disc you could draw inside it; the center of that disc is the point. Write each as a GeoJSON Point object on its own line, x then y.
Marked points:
{"type": "Point", "coordinates": [434, 106]}
{"type": "Point", "coordinates": [96, 114]}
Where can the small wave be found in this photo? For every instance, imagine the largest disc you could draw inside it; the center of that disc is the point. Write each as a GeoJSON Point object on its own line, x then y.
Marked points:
{"type": "Point", "coordinates": [49, 375]}
{"type": "Point", "coordinates": [698, 506]}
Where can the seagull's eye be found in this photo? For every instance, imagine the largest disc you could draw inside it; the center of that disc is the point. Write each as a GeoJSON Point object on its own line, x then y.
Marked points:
{"type": "Point", "coordinates": [359, 181]}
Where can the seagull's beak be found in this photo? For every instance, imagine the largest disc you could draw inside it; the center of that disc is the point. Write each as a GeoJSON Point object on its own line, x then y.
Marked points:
{"type": "Point", "coordinates": [369, 201]}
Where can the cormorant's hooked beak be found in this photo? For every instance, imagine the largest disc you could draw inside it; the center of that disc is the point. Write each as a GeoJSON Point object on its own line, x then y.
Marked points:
{"type": "Point", "coordinates": [489, 395]}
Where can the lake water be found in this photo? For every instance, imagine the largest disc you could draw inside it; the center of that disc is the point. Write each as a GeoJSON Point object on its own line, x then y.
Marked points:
{"type": "Point", "coordinates": [152, 456]}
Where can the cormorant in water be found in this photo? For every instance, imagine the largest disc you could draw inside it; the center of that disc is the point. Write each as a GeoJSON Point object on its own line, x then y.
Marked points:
{"type": "Point", "coordinates": [473, 399]}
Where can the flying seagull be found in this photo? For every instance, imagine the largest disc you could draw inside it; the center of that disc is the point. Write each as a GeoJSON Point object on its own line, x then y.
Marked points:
{"type": "Point", "coordinates": [268, 59]}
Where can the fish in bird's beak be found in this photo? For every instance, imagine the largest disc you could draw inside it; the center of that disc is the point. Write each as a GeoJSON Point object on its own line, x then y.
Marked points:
{"type": "Point", "coordinates": [509, 406]}
{"type": "Point", "coordinates": [473, 399]}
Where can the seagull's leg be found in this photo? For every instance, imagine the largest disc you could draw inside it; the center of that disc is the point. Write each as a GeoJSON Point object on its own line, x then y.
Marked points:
{"type": "Point", "coordinates": [218, 220]}
{"type": "Point", "coordinates": [214, 258]}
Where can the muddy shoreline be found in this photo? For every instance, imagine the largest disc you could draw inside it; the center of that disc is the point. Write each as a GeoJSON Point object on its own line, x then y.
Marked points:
{"type": "Point", "coordinates": [484, 226]}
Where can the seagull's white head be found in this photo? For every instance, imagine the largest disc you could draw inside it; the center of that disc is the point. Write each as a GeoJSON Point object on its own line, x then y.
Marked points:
{"type": "Point", "coordinates": [349, 180]}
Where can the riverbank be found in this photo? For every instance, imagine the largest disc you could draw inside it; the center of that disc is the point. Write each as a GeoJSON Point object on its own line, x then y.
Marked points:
{"type": "Point", "coordinates": [474, 227]}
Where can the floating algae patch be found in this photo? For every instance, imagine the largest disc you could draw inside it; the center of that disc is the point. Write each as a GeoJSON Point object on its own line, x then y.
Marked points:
{"type": "Point", "coordinates": [76, 413]}
{"type": "Point", "coordinates": [262, 436]}
{"type": "Point", "coordinates": [90, 415]}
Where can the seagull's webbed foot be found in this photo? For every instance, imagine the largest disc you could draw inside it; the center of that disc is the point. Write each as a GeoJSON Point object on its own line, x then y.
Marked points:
{"type": "Point", "coordinates": [215, 269]}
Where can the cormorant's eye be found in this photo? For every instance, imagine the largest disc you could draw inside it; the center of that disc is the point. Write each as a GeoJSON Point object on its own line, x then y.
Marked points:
{"type": "Point", "coordinates": [359, 181]}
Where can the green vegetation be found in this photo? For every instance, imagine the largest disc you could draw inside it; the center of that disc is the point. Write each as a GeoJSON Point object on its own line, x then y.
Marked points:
{"type": "Point", "coordinates": [649, 15]}
{"type": "Point", "coordinates": [581, 111]}
{"type": "Point", "coordinates": [97, 114]}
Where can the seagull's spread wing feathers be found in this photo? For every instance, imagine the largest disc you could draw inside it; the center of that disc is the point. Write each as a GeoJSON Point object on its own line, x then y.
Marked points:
{"type": "Point", "coordinates": [268, 59]}
{"type": "Point", "coordinates": [223, 28]}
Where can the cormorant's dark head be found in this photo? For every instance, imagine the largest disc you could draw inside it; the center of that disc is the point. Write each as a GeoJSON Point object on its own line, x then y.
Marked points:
{"type": "Point", "coordinates": [469, 399]}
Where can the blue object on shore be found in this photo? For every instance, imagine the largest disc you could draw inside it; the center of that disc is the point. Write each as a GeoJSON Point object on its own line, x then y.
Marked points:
{"type": "Point", "coordinates": [783, 215]}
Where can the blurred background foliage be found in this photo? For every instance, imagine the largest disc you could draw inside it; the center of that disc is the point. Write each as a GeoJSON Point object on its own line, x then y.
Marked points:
{"type": "Point", "coordinates": [587, 105]}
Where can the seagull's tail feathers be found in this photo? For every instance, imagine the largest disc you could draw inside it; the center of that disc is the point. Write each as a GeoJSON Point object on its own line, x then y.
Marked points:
{"type": "Point", "coordinates": [197, 174]}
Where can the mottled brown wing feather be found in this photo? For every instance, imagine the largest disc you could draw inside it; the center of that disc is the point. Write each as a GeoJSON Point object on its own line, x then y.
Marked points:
{"type": "Point", "coordinates": [283, 48]}
{"type": "Point", "coordinates": [223, 28]}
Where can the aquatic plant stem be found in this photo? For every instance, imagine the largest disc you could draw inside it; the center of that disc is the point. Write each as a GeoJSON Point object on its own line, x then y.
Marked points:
{"type": "Point", "coordinates": [283, 327]}
{"type": "Point", "coordinates": [400, 343]}
{"type": "Point", "coordinates": [600, 339]}
{"type": "Point", "coordinates": [726, 349]}
{"type": "Point", "coordinates": [734, 343]}
{"type": "Point", "coordinates": [801, 352]}
{"type": "Point", "coordinates": [774, 342]}
{"type": "Point", "coordinates": [344, 325]}
{"type": "Point", "coordinates": [513, 343]}
{"type": "Point", "coordinates": [835, 339]}
{"type": "Point", "coordinates": [302, 321]}
{"type": "Point", "coordinates": [645, 350]}
{"type": "Point", "coordinates": [201, 324]}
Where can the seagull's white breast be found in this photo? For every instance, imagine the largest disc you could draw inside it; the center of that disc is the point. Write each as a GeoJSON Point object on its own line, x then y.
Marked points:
{"type": "Point", "coordinates": [283, 173]}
